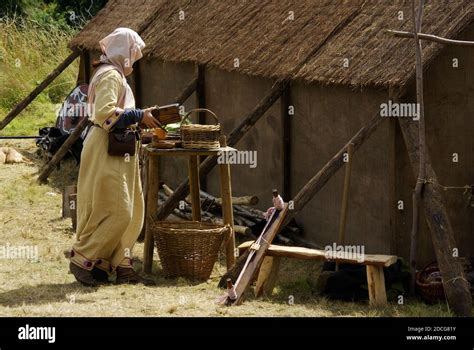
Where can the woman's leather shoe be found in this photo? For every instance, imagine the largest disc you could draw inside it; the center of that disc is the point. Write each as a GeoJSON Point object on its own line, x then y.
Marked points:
{"type": "Point", "coordinates": [127, 275]}
{"type": "Point", "coordinates": [83, 276]}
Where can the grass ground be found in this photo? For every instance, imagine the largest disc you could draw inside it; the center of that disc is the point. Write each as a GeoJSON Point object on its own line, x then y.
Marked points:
{"type": "Point", "coordinates": [30, 215]}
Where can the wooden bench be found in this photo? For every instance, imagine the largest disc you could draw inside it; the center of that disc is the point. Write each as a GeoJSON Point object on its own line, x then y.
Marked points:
{"type": "Point", "coordinates": [268, 273]}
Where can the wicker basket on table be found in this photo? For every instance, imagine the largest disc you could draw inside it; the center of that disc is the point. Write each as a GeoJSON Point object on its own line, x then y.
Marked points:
{"type": "Point", "coordinates": [188, 249]}
{"type": "Point", "coordinates": [198, 135]}
{"type": "Point", "coordinates": [429, 284]}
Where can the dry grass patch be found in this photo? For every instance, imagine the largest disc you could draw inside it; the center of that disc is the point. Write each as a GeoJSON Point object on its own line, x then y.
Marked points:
{"type": "Point", "coordinates": [30, 214]}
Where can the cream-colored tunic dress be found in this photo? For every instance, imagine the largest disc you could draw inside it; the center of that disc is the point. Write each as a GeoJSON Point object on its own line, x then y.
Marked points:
{"type": "Point", "coordinates": [110, 206]}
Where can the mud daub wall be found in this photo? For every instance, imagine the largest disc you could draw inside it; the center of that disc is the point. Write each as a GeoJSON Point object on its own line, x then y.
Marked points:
{"type": "Point", "coordinates": [325, 118]}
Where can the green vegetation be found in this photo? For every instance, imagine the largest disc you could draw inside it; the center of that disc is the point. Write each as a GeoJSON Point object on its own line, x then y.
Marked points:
{"type": "Point", "coordinates": [33, 40]}
{"type": "Point", "coordinates": [28, 53]}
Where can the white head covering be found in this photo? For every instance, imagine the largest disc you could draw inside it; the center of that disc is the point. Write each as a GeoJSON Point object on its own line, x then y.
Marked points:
{"type": "Point", "coordinates": [122, 48]}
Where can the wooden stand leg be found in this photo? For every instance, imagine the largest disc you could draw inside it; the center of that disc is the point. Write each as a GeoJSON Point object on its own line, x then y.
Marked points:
{"type": "Point", "coordinates": [376, 286]}
{"type": "Point", "coordinates": [267, 276]}
{"type": "Point", "coordinates": [227, 213]}
{"type": "Point", "coordinates": [193, 170]}
{"type": "Point", "coordinates": [73, 209]}
{"type": "Point", "coordinates": [68, 190]}
{"type": "Point", "coordinates": [151, 208]}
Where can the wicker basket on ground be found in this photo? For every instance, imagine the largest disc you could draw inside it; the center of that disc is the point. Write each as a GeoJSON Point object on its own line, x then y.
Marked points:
{"type": "Point", "coordinates": [198, 135]}
{"type": "Point", "coordinates": [188, 249]}
{"type": "Point", "coordinates": [429, 284]}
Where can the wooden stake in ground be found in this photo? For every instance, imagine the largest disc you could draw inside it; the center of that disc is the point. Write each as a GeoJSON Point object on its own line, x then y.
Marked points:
{"type": "Point", "coordinates": [27, 100]}
{"type": "Point", "coordinates": [417, 19]}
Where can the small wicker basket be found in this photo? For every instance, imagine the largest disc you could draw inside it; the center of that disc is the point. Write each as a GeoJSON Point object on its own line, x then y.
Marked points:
{"type": "Point", "coordinates": [200, 136]}
{"type": "Point", "coordinates": [431, 291]}
{"type": "Point", "coordinates": [188, 249]}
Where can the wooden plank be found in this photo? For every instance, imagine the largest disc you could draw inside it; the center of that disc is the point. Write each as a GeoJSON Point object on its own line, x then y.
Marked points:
{"type": "Point", "coordinates": [267, 276]}
{"type": "Point", "coordinates": [66, 209]}
{"type": "Point", "coordinates": [227, 209]}
{"type": "Point", "coordinates": [248, 274]}
{"type": "Point", "coordinates": [32, 95]}
{"type": "Point", "coordinates": [319, 254]}
{"type": "Point", "coordinates": [151, 207]}
{"type": "Point", "coordinates": [193, 169]}
{"type": "Point", "coordinates": [376, 286]}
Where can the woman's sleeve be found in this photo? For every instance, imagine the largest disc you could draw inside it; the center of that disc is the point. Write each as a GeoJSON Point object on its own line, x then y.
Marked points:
{"type": "Point", "coordinates": [106, 112]}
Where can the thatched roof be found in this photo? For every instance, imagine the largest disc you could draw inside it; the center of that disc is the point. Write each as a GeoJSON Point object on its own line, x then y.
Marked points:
{"type": "Point", "coordinates": [260, 34]}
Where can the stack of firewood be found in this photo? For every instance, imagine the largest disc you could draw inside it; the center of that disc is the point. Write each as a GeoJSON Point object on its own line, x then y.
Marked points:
{"type": "Point", "coordinates": [248, 220]}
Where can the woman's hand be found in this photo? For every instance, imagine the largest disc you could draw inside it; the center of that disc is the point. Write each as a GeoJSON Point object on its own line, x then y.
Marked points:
{"type": "Point", "coordinates": [149, 121]}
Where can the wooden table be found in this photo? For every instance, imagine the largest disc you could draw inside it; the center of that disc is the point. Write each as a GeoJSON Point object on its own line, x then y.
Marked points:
{"type": "Point", "coordinates": [151, 202]}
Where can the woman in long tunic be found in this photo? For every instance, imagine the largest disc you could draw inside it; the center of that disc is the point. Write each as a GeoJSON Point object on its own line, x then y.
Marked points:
{"type": "Point", "coordinates": [110, 206]}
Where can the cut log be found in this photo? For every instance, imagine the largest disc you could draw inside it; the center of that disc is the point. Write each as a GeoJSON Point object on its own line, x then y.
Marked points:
{"type": "Point", "coordinates": [244, 200]}
{"type": "Point", "coordinates": [27, 100]}
{"type": "Point", "coordinates": [455, 284]}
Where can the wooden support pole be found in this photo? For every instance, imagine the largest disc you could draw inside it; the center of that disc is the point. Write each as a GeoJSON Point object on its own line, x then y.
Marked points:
{"type": "Point", "coordinates": [153, 185]}
{"type": "Point", "coordinates": [201, 103]}
{"type": "Point", "coordinates": [286, 117]}
{"type": "Point", "coordinates": [416, 197]}
{"type": "Point", "coordinates": [330, 168]}
{"type": "Point", "coordinates": [188, 91]}
{"type": "Point", "coordinates": [429, 37]}
{"type": "Point", "coordinates": [32, 95]}
{"type": "Point", "coordinates": [227, 210]}
{"type": "Point", "coordinates": [193, 169]}
{"type": "Point", "coordinates": [345, 194]}
{"type": "Point", "coordinates": [62, 151]}
{"type": "Point", "coordinates": [455, 284]}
